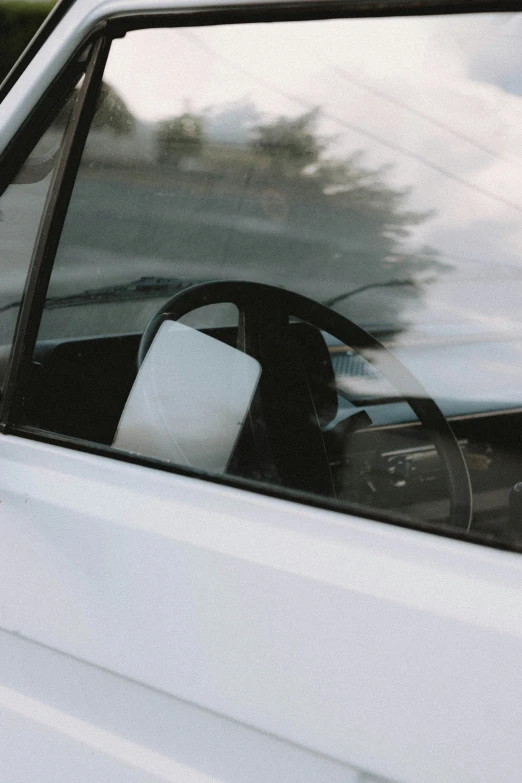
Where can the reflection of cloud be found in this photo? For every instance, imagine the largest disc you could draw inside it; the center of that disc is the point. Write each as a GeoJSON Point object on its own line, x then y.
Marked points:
{"type": "Point", "coordinates": [231, 123]}
{"type": "Point", "coordinates": [484, 306]}
{"type": "Point", "coordinates": [365, 387]}
{"type": "Point", "coordinates": [494, 241]}
{"type": "Point", "coordinates": [495, 53]}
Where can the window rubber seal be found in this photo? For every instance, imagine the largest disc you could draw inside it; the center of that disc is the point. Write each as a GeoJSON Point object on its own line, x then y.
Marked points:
{"type": "Point", "coordinates": [120, 23]}
{"type": "Point", "coordinates": [267, 490]}
{"type": "Point", "coordinates": [49, 232]}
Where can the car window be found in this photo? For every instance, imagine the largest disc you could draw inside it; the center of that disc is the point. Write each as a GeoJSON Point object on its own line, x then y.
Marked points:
{"type": "Point", "coordinates": [369, 166]}
{"type": "Point", "coordinates": [21, 207]}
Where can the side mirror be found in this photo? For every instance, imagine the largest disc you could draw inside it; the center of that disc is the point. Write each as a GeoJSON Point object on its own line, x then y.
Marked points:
{"type": "Point", "coordinates": [189, 400]}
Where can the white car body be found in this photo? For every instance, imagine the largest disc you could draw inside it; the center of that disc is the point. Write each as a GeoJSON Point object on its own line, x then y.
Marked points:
{"type": "Point", "coordinates": [158, 627]}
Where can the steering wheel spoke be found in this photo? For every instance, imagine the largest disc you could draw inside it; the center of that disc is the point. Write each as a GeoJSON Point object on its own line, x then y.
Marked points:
{"type": "Point", "coordinates": [262, 323]}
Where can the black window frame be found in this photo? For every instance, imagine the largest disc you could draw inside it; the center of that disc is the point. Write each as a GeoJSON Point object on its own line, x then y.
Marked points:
{"type": "Point", "coordinates": [57, 202]}
{"type": "Point", "coordinates": [100, 39]}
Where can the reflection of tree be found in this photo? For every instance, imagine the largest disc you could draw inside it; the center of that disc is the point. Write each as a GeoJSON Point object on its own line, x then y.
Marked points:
{"type": "Point", "coordinates": [290, 143]}
{"type": "Point", "coordinates": [351, 200]}
{"type": "Point", "coordinates": [364, 191]}
{"type": "Point", "coordinates": [112, 112]}
{"type": "Point", "coordinates": [179, 137]}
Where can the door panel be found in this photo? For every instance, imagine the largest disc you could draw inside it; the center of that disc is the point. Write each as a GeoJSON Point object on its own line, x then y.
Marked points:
{"type": "Point", "coordinates": [386, 649]}
{"type": "Point", "coordinates": [62, 720]}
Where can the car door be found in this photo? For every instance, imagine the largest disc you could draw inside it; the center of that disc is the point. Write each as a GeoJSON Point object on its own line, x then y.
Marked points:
{"type": "Point", "coordinates": [166, 619]}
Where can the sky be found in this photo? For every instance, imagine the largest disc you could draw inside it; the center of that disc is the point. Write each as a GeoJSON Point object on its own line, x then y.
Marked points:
{"type": "Point", "coordinates": [439, 99]}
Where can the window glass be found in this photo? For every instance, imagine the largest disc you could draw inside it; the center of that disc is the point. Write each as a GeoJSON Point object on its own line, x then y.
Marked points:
{"type": "Point", "coordinates": [21, 207]}
{"type": "Point", "coordinates": [371, 165]}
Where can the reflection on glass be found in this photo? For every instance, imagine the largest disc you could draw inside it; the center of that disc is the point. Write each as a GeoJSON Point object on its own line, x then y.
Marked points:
{"type": "Point", "coordinates": [291, 154]}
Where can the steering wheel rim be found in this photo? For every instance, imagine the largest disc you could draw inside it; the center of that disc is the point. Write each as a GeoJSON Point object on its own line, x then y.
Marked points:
{"type": "Point", "coordinates": [264, 308]}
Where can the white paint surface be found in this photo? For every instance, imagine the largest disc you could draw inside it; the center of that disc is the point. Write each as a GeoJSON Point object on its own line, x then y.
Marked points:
{"type": "Point", "coordinates": [389, 650]}
{"type": "Point", "coordinates": [83, 723]}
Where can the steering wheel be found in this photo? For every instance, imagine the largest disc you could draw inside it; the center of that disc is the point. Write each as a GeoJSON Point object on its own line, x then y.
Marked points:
{"type": "Point", "coordinates": [283, 417]}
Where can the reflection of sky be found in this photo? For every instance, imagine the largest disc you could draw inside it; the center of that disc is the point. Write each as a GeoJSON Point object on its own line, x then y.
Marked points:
{"type": "Point", "coordinates": [494, 50]}
{"type": "Point", "coordinates": [439, 98]}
